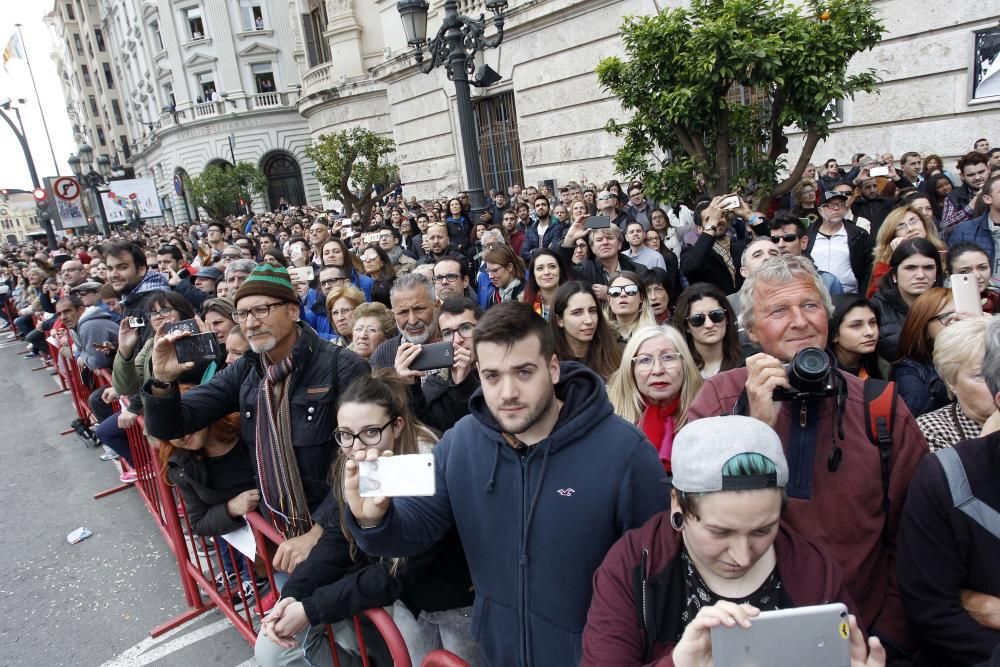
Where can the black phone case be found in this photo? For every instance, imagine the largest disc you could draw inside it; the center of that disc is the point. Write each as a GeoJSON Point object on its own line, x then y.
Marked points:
{"type": "Point", "coordinates": [433, 357]}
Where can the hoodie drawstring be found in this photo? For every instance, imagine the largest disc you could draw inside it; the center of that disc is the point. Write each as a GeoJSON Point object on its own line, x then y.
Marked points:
{"type": "Point", "coordinates": [493, 473]}
{"type": "Point", "coordinates": [534, 503]}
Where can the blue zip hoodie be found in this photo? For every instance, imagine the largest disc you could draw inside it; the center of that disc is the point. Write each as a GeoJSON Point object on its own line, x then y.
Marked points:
{"type": "Point", "coordinates": [535, 527]}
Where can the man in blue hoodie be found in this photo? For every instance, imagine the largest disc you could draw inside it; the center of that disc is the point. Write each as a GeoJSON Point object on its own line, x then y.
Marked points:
{"type": "Point", "coordinates": [541, 480]}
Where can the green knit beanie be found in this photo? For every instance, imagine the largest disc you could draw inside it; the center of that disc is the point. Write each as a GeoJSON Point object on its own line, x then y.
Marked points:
{"type": "Point", "coordinates": [267, 280]}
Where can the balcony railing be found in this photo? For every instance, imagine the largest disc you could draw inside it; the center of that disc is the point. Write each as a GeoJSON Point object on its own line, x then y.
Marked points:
{"type": "Point", "coordinates": [267, 100]}
{"type": "Point", "coordinates": [318, 78]}
{"type": "Point", "coordinates": [207, 109]}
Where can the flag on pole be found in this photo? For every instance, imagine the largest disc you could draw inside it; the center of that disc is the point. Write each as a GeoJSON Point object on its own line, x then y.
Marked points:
{"type": "Point", "coordinates": [14, 50]}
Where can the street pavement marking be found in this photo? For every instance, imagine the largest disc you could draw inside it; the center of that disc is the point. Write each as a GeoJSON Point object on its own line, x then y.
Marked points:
{"type": "Point", "coordinates": [150, 650]}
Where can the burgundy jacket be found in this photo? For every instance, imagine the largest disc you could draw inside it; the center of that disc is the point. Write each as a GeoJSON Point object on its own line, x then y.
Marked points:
{"type": "Point", "coordinates": [843, 510]}
{"type": "Point", "coordinates": [635, 612]}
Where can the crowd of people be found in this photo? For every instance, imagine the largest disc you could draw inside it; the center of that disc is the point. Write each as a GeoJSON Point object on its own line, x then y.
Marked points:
{"type": "Point", "coordinates": [654, 419]}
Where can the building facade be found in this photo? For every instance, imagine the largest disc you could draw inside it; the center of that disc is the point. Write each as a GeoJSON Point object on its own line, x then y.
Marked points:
{"type": "Point", "coordinates": [545, 119]}
{"type": "Point", "coordinates": [91, 84]}
{"type": "Point", "coordinates": [18, 217]}
{"type": "Point", "coordinates": [209, 82]}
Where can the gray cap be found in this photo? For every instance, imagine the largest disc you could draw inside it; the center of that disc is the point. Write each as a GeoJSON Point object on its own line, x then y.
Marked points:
{"type": "Point", "coordinates": [210, 272]}
{"type": "Point", "coordinates": [703, 448]}
{"type": "Point", "coordinates": [89, 286]}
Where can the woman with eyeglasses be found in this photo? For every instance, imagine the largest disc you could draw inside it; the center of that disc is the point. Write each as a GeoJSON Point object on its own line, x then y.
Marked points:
{"type": "Point", "coordinates": [338, 580]}
{"type": "Point", "coordinates": [659, 222]}
{"type": "Point", "coordinates": [970, 258]}
{"type": "Point", "coordinates": [581, 331]}
{"type": "Point", "coordinates": [914, 268]}
{"type": "Point", "coordinates": [628, 306]}
{"type": "Point", "coordinates": [546, 272]}
{"type": "Point", "coordinates": [655, 384]}
{"type": "Point", "coordinates": [902, 223]}
{"type": "Point", "coordinates": [917, 380]}
{"type": "Point", "coordinates": [133, 365]}
{"type": "Point", "coordinates": [709, 326]}
{"type": "Point", "coordinates": [853, 335]}
{"type": "Point", "coordinates": [371, 324]}
{"type": "Point", "coordinates": [340, 304]}
{"type": "Point", "coordinates": [334, 252]}
{"type": "Point", "coordinates": [378, 267]}
{"type": "Point", "coordinates": [506, 275]}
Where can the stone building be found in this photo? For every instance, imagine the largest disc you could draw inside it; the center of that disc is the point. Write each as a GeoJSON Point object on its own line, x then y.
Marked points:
{"type": "Point", "coordinates": [18, 217]}
{"type": "Point", "coordinates": [210, 82]}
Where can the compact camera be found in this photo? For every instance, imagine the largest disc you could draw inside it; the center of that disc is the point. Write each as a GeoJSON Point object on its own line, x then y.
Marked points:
{"type": "Point", "coordinates": [810, 375]}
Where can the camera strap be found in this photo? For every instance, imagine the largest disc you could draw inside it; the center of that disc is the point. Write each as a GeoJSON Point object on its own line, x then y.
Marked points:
{"type": "Point", "coordinates": [880, 415]}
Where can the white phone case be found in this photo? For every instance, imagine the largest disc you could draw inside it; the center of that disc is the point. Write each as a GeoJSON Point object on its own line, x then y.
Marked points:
{"type": "Point", "coordinates": [407, 475]}
{"type": "Point", "coordinates": [817, 636]}
{"type": "Point", "coordinates": [965, 292]}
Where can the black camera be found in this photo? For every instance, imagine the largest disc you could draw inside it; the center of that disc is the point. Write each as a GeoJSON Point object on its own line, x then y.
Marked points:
{"type": "Point", "coordinates": [810, 376]}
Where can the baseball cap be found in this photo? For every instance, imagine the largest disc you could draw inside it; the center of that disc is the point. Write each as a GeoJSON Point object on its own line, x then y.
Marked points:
{"type": "Point", "coordinates": [830, 195]}
{"type": "Point", "coordinates": [702, 449]}
{"type": "Point", "coordinates": [89, 286]}
{"type": "Point", "coordinates": [210, 272]}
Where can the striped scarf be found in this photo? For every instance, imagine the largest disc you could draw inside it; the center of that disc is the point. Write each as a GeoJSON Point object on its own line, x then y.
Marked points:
{"type": "Point", "coordinates": [277, 469]}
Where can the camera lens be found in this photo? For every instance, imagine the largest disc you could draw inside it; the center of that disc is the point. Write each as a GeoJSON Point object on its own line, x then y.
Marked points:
{"type": "Point", "coordinates": [811, 364]}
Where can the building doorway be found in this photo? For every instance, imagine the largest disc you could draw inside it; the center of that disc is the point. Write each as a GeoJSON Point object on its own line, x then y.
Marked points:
{"type": "Point", "coordinates": [284, 179]}
{"type": "Point", "coordinates": [499, 144]}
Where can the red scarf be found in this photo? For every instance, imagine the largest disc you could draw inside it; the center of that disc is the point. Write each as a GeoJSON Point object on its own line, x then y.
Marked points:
{"type": "Point", "coordinates": [657, 423]}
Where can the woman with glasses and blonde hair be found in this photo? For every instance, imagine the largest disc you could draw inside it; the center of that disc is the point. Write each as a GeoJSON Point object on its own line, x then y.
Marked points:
{"type": "Point", "coordinates": [902, 223]}
{"type": "Point", "coordinates": [371, 325]}
{"type": "Point", "coordinates": [654, 385]}
{"type": "Point", "coordinates": [628, 305]}
{"type": "Point", "coordinates": [340, 304]}
{"type": "Point", "coordinates": [338, 580]}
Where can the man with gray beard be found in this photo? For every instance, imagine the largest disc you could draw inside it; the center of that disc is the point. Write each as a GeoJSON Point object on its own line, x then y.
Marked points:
{"type": "Point", "coordinates": [415, 306]}
{"type": "Point", "coordinates": [285, 389]}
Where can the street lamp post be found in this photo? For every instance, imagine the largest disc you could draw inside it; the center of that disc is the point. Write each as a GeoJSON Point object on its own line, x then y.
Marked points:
{"type": "Point", "coordinates": [92, 175]}
{"type": "Point", "coordinates": [50, 233]}
{"type": "Point", "coordinates": [454, 47]}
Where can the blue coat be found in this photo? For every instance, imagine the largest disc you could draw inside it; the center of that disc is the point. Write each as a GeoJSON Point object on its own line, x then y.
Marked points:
{"type": "Point", "coordinates": [977, 231]}
{"type": "Point", "coordinates": [313, 311]}
{"type": "Point", "coordinates": [534, 527]}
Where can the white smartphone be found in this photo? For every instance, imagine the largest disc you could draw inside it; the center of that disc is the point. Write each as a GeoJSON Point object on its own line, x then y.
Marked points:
{"type": "Point", "coordinates": [817, 636]}
{"type": "Point", "coordinates": [301, 274]}
{"type": "Point", "coordinates": [879, 171]}
{"type": "Point", "coordinates": [407, 475]}
{"type": "Point", "coordinates": [730, 202]}
{"type": "Point", "coordinates": [965, 292]}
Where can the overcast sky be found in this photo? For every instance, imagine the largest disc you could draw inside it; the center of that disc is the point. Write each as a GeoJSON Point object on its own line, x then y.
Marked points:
{"type": "Point", "coordinates": [15, 83]}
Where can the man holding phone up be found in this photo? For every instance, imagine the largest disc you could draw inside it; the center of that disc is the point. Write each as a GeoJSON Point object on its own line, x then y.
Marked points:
{"type": "Point", "coordinates": [536, 491]}
{"type": "Point", "coordinates": [285, 389]}
{"type": "Point", "coordinates": [715, 256]}
{"type": "Point", "coordinates": [608, 262]}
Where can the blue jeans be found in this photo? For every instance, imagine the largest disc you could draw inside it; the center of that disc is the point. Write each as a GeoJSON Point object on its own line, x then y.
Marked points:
{"type": "Point", "coordinates": [114, 437]}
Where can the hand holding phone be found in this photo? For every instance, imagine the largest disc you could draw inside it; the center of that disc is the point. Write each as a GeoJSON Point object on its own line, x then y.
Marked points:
{"type": "Point", "coordinates": [393, 476]}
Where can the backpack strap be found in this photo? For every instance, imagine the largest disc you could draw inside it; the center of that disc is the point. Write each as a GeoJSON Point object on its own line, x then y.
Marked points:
{"type": "Point", "coordinates": [880, 415]}
{"type": "Point", "coordinates": [961, 492]}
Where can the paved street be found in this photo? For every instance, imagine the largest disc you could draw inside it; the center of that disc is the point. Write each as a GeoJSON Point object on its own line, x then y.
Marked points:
{"type": "Point", "coordinates": [92, 603]}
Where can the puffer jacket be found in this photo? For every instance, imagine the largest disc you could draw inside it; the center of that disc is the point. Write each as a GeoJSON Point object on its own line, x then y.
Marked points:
{"type": "Point", "coordinates": [323, 370]}
{"type": "Point", "coordinates": [204, 501]}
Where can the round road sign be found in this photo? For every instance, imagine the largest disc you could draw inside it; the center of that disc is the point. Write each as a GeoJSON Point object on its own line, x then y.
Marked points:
{"type": "Point", "coordinates": [66, 188]}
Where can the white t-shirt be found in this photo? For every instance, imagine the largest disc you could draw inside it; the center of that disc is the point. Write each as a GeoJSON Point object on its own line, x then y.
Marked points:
{"type": "Point", "coordinates": [831, 254]}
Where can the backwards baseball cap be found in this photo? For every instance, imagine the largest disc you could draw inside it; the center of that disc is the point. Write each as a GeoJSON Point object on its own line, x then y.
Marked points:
{"type": "Point", "coordinates": [830, 195]}
{"type": "Point", "coordinates": [703, 450]}
{"type": "Point", "coordinates": [267, 280]}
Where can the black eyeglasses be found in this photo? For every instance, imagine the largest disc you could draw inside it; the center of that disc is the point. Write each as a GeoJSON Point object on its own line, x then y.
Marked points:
{"type": "Point", "coordinates": [787, 238]}
{"type": "Point", "coordinates": [465, 331]}
{"type": "Point", "coordinates": [446, 278]}
{"type": "Point", "coordinates": [368, 437]}
{"type": "Point", "coordinates": [259, 312]}
{"type": "Point", "coordinates": [330, 282]}
{"type": "Point", "coordinates": [627, 290]}
{"type": "Point", "coordinates": [718, 316]}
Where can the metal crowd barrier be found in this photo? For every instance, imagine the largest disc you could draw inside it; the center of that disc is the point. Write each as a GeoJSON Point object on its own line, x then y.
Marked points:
{"type": "Point", "coordinates": [196, 566]}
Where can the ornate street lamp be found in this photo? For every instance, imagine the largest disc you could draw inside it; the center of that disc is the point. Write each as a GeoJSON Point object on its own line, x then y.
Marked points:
{"type": "Point", "coordinates": [455, 46]}
{"type": "Point", "coordinates": [92, 175]}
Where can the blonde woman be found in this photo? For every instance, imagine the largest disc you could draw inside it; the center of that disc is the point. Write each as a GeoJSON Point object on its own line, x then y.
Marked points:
{"type": "Point", "coordinates": [902, 223]}
{"type": "Point", "coordinates": [655, 384]}
{"type": "Point", "coordinates": [628, 306]}
{"type": "Point", "coordinates": [340, 304]}
{"type": "Point", "coordinates": [371, 324]}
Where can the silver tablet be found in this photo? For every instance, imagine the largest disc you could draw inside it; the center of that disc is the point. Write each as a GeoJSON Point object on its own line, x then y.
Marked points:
{"type": "Point", "coordinates": [817, 636]}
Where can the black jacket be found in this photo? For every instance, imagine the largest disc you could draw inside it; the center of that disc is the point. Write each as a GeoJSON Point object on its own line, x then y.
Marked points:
{"type": "Point", "coordinates": [333, 585]}
{"type": "Point", "coordinates": [204, 501]}
{"type": "Point", "coordinates": [873, 209]}
{"type": "Point", "coordinates": [892, 310]}
{"type": "Point", "coordinates": [591, 271]}
{"type": "Point", "coordinates": [323, 370]}
{"type": "Point", "coordinates": [859, 245]}
{"type": "Point", "coordinates": [439, 403]}
{"type": "Point", "coordinates": [701, 264]}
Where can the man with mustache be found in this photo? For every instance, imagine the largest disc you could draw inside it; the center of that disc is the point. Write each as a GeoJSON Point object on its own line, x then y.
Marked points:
{"type": "Point", "coordinates": [415, 306]}
{"type": "Point", "coordinates": [285, 388]}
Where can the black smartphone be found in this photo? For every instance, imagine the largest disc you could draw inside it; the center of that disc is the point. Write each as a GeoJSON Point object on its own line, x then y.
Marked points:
{"type": "Point", "coordinates": [433, 357]}
{"type": "Point", "coordinates": [596, 222]}
{"type": "Point", "coordinates": [196, 347]}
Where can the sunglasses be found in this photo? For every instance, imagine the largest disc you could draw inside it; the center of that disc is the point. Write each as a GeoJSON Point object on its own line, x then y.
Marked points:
{"type": "Point", "coordinates": [787, 238]}
{"type": "Point", "coordinates": [627, 290]}
{"type": "Point", "coordinates": [718, 316]}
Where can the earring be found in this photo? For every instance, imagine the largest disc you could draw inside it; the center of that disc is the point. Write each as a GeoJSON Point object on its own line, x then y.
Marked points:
{"type": "Point", "coordinates": [676, 520]}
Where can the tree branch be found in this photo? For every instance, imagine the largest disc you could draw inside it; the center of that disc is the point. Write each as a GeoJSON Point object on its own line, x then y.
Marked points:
{"type": "Point", "coordinates": [812, 140]}
{"type": "Point", "coordinates": [722, 149]}
{"type": "Point", "coordinates": [779, 145]}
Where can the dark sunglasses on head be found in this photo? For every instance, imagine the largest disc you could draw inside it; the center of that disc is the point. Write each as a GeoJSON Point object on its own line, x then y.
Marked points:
{"type": "Point", "coordinates": [627, 290]}
{"type": "Point", "coordinates": [718, 316]}
{"type": "Point", "coordinates": [787, 238]}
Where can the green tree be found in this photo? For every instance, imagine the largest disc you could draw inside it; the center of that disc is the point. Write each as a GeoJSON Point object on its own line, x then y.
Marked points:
{"type": "Point", "coordinates": [219, 189]}
{"type": "Point", "coordinates": [352, 164]}
{"type": "Point", "coordinates": [685, 70]}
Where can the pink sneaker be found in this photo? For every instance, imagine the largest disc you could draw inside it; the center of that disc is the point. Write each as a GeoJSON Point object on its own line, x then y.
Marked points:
{"type": "Point", "coordinates": [128, 477]}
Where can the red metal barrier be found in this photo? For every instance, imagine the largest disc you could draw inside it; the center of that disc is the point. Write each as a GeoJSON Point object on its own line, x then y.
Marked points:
{"type": "Point", "coordinates": [442, 658]}
{"type": "Point", "coordinates": [197, 567]}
